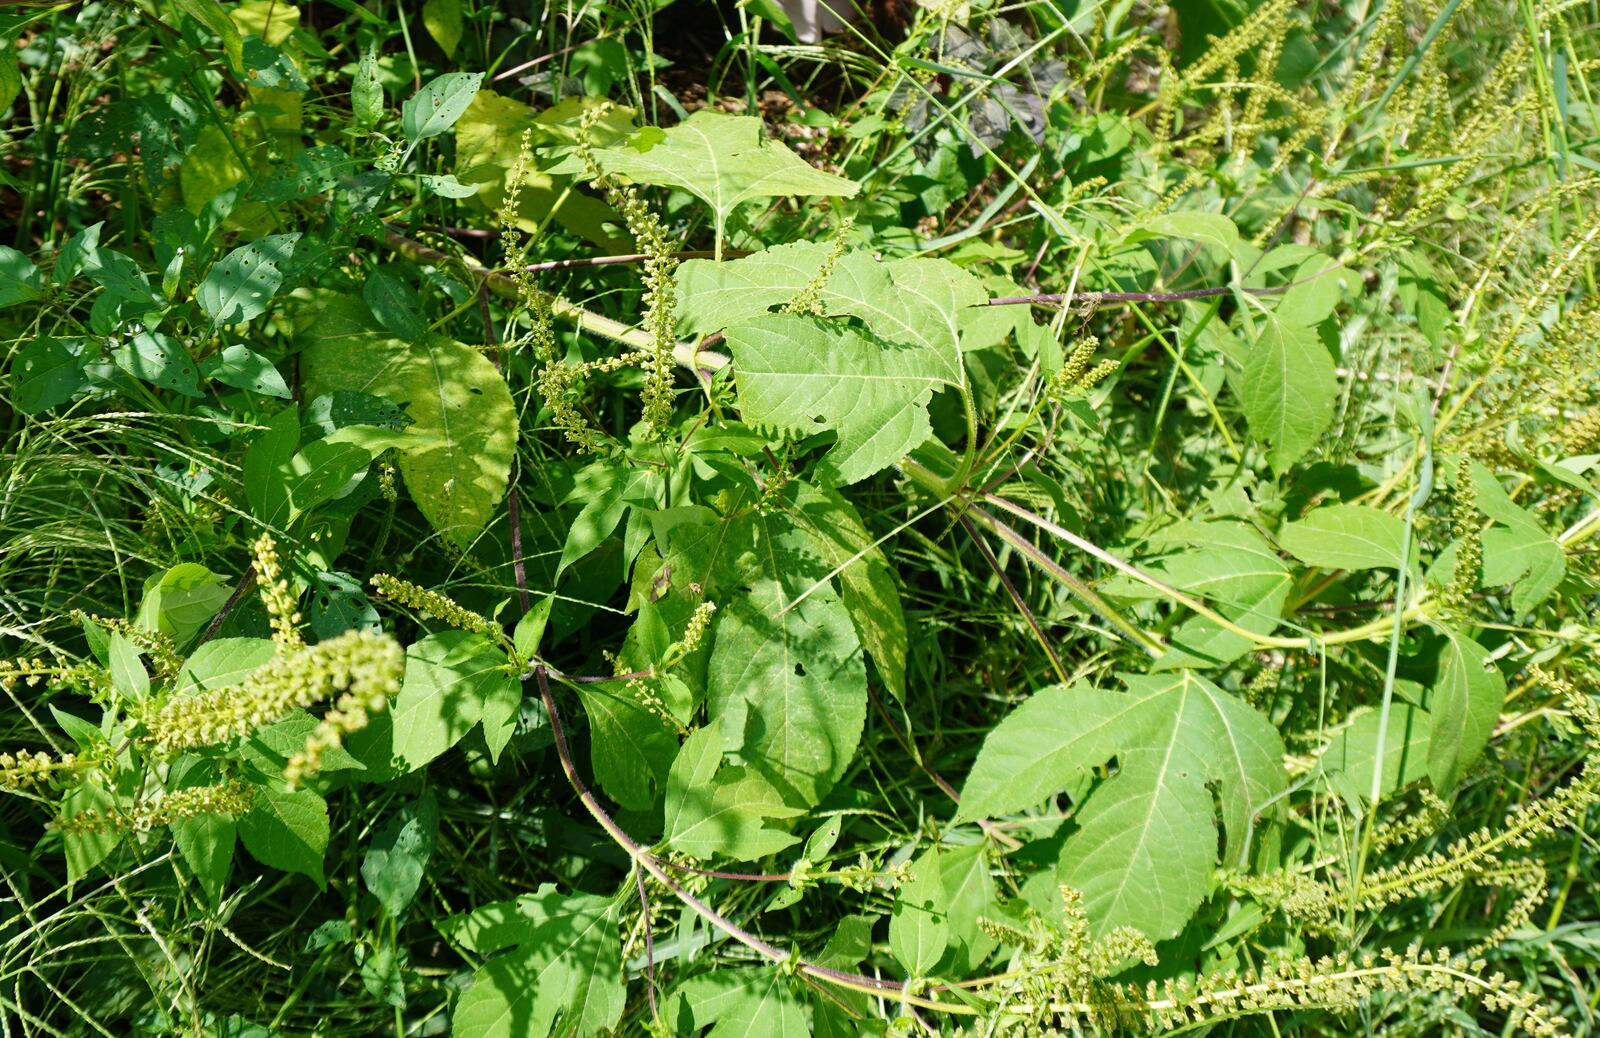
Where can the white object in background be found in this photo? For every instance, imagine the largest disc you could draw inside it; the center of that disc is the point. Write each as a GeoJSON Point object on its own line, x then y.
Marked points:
{"type": "Point", "coordinates": [812, 19]}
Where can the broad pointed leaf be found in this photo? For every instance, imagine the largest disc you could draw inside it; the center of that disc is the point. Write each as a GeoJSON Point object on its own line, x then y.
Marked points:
{"type": "Point", "coordinates": [1289, 389]}
{"type": "Point", "coordinates": [461, 408]}
{"type": "Point", "coordinates": [800, 375]}
{"type": "Point", "coordinates": [785, 661]}
{"type": "Point", "coordinates": [724, 160]}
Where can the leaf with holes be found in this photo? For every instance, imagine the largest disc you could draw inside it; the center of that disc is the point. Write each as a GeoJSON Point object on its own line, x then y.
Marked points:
{"type": "Point", "coordinates": [156, 358]}
{"type": "Point", "coordinates": [243, 282]}
{"type": "Point", "coordinates": [243, 368]}
{"type": "Point", "coordinates": [436, 107]}
{"type": "Point", "coordinates": [45, 373]}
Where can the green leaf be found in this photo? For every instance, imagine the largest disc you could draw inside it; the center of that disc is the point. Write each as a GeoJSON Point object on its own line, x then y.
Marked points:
{"type": "Point", "coordinates": [606, 491]}
{"type": "Point", "coordinates": [223, 661]}
{"type": "Point", "coordinates": [393, 304]}
{"type": "Point", "coordinates": [1145, 844]}
{"type": "Point", "coordinates": [239, 287]}
{"type": "Point", "coordinates": [270, 746]}
{"type": "Point", "coordinates": [1144, 850]}
{"type": "Point", "coordinates": [1516, 550]}
{"type": "Point", "coordinates": [1351, 755]}
{"type": "Point", "coordinates": [866, 585]}
{"type": "Point", "coordinates": [529, 633]}
{"type": "Point", "coordinates": [210, 14]}
{"type": "Point", "coordinates": [1289, 389]}
{"type": "Point", "coordinates": [447, 186]}
{"type": "Point", "coordinates": [156, 358]}
{"type": "Point", "coordinates": [911, 302]}
{"type": "Point", "coordinates": [127, 674]}
{"type": "Point", "coordinates": [436, 107]}
{"type": "Point", "coordinates": [786, 661]}
{"type": "Point", "coordinates": [1042, 747]}
{"type": "Point", "coordinates": [1318, 285]}
{"type": "Point", "coordinates": [723, 160]}
{"type": "Point", "coordinates": [1346, 537]}
{"type": "Point", "coordinates": [182, 600]}
{"type": "Point", "coordinates": [287, 831]}
{"type": "Point", "coordinates": [1465, 706]}
{"type": "Point", "coordinates": [265, 488]}
{"type": "Point", "coordinates": [243, 368]}
{"type": "Point", "coordinates": [459, 402]}
{"type": "Point", "coordinates": [366, 90]}
{"type": "Point", "coordinates": [1210, 228]}
{"type": "Point", "coordinates": [78, 253]}
{"type": "Point", "coordinates": [489, 145]}
{"type": "Point", "coordinates": [630, 747]}
{"type": "Point", "coordinates": [449, 677]}
{"type": "Point", "coordinates": [919, 927]}
{"type": "Point", "coordinates": [45, 373]}
{"type": "Point", "coordinates": [969, 894]}
{"type": "Point", "coordinates": [800, 375]}
{"type": "Point", "coordinates": [10, 74]}
{"type": "Point", "coordinates": [738, 1003]}
{"type": "Point", "coordinates": [1230, 564]}
{"type": "Point", "coordinates": [442, 19]}
{"type": "Point", "coordinates": [569, 966]}
{"type": "Point", "coordinates": [398, 856]}
{"type": "Point", "coordinates": [339, 604]}
{"type": "Point", "coordinates": [20, 280]}
{"type": "Point", "coordinates": [206, 842]}
{"type": "Point", "coordinates": [715, 811]}
{"type": "Point", "coordinates": [85, 850]}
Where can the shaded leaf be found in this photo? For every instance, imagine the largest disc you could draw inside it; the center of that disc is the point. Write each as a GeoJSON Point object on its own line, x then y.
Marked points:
{"type": "Point", "coordinates": [287, 831]}
{"type": "Point", "coordinates": [458, 401]}
{"type": "Point", "coordinates": [717, 811]}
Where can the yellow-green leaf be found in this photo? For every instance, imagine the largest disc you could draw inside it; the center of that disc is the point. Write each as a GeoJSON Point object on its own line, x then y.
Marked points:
{"type": "Point", "coordinates": [450, 390]}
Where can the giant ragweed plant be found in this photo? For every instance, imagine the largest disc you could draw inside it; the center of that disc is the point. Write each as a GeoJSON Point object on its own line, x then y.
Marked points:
{"type": "Point", "coordinates": [1100, 544]}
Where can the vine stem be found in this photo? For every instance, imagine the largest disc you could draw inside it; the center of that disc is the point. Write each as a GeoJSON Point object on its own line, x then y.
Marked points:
{"type": "Point", "coordinates": [648, 862]}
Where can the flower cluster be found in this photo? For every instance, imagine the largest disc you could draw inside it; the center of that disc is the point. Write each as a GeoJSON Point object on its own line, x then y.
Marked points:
{"type": "Point", "coordinates": [809, 299]}
{"type": "Point", "coordinates": [355, 661]}
{"type": "Point", "coordinates": [434, 605]}
{"type": "Point", "coordinates": [224, 798]}
{"type": "Point", "coordinates": [350, 713]}
{"type": "Point", "coordinates": [1076, 377]}
{"type": "Point", "coordinates": [26, 768]}
{"type": "Point", "coordinates": [276, 595]}
{"type": "Point", "coordinates": [660, 290]}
